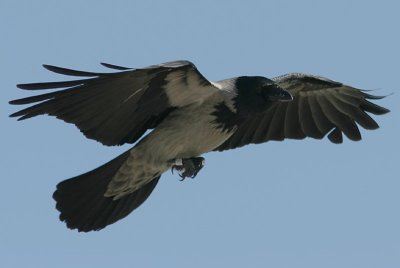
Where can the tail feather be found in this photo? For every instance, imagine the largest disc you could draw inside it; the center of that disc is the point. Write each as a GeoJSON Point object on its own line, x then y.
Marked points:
{"type": "Point", "coordinates": [83, 205]}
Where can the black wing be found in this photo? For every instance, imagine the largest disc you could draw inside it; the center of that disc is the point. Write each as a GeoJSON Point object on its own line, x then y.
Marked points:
{"type": "Point", "coordinates": [117, 108]}
{"type": "Point", "coordinates": [320, 106]}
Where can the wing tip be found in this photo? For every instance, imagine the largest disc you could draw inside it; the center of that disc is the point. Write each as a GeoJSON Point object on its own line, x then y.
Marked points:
{"type": "Point", "coordinates": [115, 67]}
{"type": "Point", "coordinates": [52, 68]}
{"type": "Point", "coordinates": [24, 86]}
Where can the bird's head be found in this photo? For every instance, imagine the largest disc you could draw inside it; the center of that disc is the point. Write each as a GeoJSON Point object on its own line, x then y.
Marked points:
{"type": "Point", "coordinates": [256, 93]}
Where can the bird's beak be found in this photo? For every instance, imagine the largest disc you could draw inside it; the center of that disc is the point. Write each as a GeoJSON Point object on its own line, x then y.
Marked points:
{"type": "Point", "coordinates": [280, 94]}
{"type": "Point", "coordinates": [285, 96]}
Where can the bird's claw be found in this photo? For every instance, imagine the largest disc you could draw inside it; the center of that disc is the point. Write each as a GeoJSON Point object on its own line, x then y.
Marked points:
{"type": "Point", "coordinates": [189, 167]}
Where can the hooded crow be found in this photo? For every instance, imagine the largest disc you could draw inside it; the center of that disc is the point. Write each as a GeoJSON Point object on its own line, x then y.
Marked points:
{"type": "Point", "coordinates": [188, 116]}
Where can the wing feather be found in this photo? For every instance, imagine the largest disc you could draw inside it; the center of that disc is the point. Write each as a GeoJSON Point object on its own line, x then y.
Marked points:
{"type": "Point", "coordinates": [307, 123]}
{"type": "Point", "coordinates": [346, 106]}
{"type": "Point", "coordinates": [292, 127]}
{"type": "Point", "coordinates": [261, 131]}
{"type": "Point", "coordinates": [117, 108]}
{"type": "Point", "coordinates": [319, 117]}
{"type": "Point", "coordinates": [276, 127]}
{"type": "Point", "coordinates": [345, 124]}
{"type": "Point", "coordinates": [320, 107]}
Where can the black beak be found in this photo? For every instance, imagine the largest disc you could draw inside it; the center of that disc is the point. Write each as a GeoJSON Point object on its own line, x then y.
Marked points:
{"type": "Point", "coordinates": [278, 94]}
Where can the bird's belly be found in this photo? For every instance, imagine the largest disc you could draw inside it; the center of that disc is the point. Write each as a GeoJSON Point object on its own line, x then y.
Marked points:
{"type": "Point", "coordinates": [183, 134]}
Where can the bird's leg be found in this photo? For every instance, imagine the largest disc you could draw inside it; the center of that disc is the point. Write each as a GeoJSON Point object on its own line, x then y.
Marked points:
{"type": "Point", "coordinates": [188, 167]}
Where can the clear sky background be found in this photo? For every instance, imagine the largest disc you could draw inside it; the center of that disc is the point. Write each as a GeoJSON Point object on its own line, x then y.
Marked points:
{"type": "Point", "coordinates": [281, 204]}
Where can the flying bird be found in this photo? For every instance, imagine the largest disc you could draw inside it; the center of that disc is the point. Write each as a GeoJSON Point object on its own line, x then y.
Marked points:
{"type": "Point", "coordinates": [187, 116]}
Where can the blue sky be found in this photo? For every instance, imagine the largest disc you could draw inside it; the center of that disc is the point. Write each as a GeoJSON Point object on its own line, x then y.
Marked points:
{"type": "Point", "coordinates": [281, 204]}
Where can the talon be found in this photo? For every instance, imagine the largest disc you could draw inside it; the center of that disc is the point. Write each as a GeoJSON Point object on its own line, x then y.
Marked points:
{"type": "Point", "coordinates": [188, 167]}
{"type": "Point", "coordinates": [182, 177]}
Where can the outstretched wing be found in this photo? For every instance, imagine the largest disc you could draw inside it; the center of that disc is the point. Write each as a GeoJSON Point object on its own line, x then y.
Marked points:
{"type": "Point", "coordinates": [320, 106]}
{"type": "Point", "coordinates": [117, 108]}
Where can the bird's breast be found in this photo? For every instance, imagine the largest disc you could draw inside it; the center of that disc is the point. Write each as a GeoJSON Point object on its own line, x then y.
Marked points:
{"type": "Point", "coordinates": [187, 132]}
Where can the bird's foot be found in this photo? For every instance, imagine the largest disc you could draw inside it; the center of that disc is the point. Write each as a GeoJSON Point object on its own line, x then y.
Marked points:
{"type": "Point", "coordinates": [188, 167]}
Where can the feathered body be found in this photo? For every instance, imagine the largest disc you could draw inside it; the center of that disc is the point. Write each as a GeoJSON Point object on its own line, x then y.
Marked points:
{"type": "Point", "coordinates": [188, 116]}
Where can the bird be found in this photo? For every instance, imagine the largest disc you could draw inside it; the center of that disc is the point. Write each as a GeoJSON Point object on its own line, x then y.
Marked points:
{"type": "Point", "coordinates": [172, 115]}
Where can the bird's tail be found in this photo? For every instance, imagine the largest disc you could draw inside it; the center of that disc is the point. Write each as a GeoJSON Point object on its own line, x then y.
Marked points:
{"type": "Point", "coordinates": [83, 205]}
